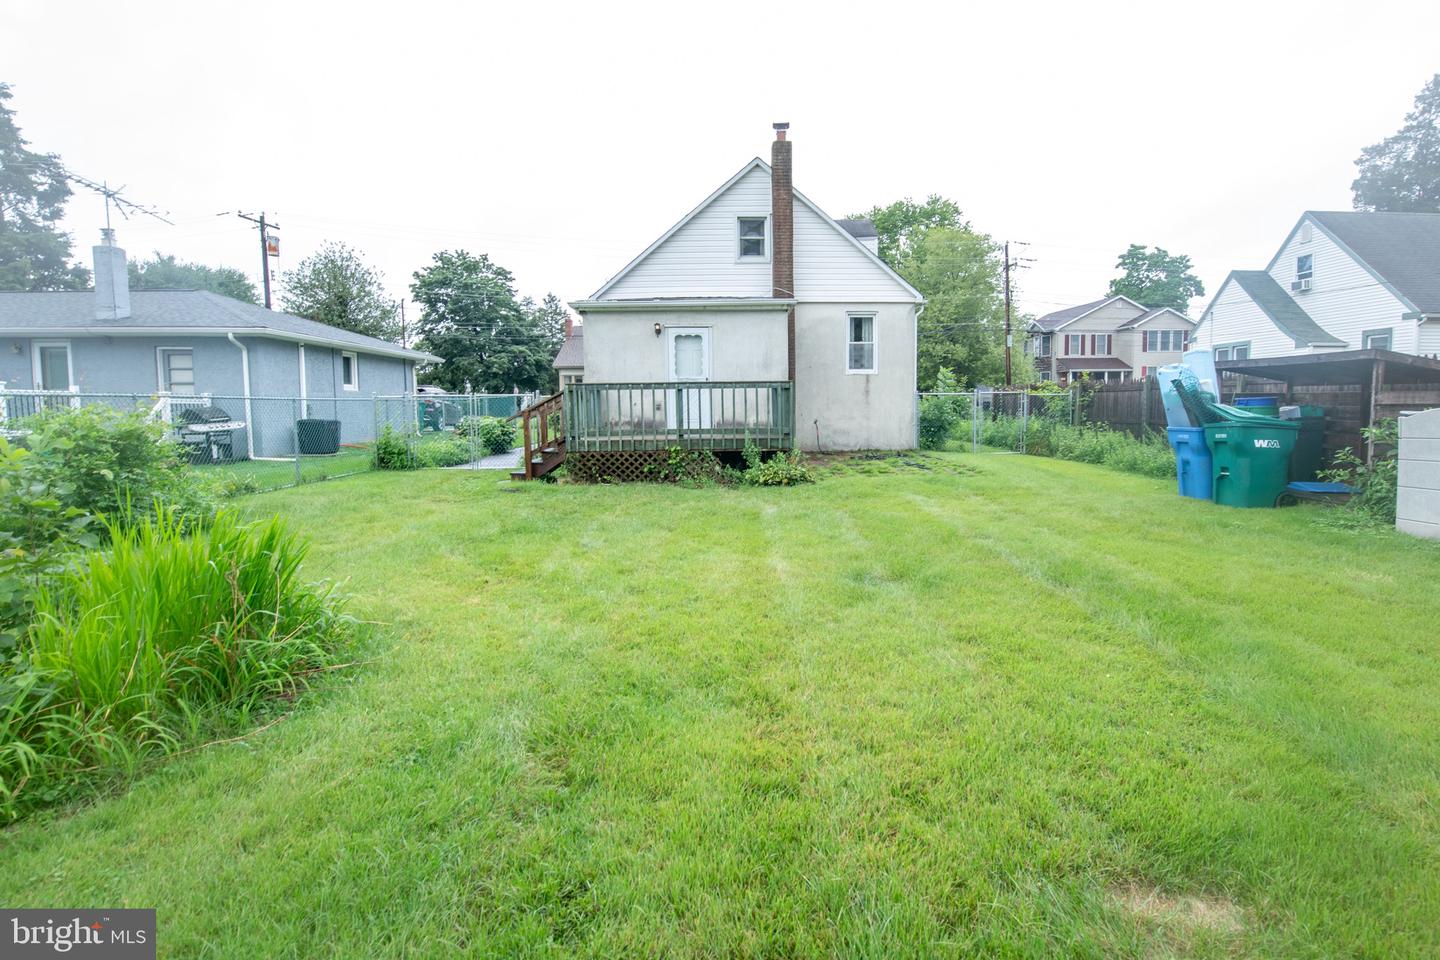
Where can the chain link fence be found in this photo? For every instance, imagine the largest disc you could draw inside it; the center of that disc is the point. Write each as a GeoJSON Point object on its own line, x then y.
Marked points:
{"type": "Point", "coordinates": [992, 421]}
{"type": "Point", "coordinates": [265, 443]}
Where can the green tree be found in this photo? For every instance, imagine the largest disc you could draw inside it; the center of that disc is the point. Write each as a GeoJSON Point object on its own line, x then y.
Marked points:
{"type": "Point", "coordinates": [335, 286]}
{"type": "Point", "coordinates": [1156, 278]}
{"type": "Point", "coordinates": [34, 252]}
{"type": "Point", "coordinates": [963, 326]}
{"type": "Point", "coordinates": [901, 224]}
{"type": "Point", "coordinates": [548, 317]}
{"type": "Point", "coordinates": [165, 272]}
{"type": "Point", "coordinates": [490, 341]}
{"type": "Point", "coordinates": [1402, 173]}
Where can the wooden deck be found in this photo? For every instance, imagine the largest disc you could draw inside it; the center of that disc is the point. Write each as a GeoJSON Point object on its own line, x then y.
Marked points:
{"type": "Point", "coordinates": [598, 418]}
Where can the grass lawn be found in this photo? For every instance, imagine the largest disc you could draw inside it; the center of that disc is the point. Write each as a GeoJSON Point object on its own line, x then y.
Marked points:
{"type": "Point", "coordinates": [987, 705]}
{"type": "Point", "coordinates": [274, 474]}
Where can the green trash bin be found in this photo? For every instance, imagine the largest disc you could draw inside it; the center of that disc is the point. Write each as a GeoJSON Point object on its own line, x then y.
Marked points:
{"type": "Point", "coordinates": [1251, 459]}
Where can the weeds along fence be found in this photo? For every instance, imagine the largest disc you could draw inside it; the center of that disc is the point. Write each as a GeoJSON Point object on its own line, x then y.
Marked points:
{"type": "Point", "coordinates": [264, 443]}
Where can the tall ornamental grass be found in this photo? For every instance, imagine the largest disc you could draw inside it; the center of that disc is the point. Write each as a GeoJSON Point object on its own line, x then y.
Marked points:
{"type": "Point", "coordinates": [164, 636]}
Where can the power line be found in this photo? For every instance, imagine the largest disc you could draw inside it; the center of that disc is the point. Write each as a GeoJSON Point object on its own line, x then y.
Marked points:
{"type": "Point", "coordinates": [268, 248]}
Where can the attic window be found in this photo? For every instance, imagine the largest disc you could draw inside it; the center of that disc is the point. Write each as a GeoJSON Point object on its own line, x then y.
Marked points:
{"type": "Point", "coordinates": [1305, 266]}
{"type": "Point", "coordinates": [752, 237]}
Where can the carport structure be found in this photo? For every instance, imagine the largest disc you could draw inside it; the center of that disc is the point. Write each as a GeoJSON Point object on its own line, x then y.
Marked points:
{"type": "Point", "coordinates": [1357, 388]}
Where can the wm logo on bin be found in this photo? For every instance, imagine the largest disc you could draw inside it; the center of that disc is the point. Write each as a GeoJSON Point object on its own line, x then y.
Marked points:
{"type": "Point", "coordinates": [1268, 444]}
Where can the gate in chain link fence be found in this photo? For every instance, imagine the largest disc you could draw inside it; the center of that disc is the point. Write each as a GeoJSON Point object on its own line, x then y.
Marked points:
{"type": "Point", "coordinates": [990, 421]}
{"type": "Point", "coordinates": [264, 443]}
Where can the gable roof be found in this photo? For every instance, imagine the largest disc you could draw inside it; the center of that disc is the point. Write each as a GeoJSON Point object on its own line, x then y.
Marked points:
{"type": "Point", "coordinates": [1402, 250]}
{"type": "Point", "coordinates": [1287, 315]}
{"type": "Point", "coordinates": [754, 164]}
{"type": "Point", "coordinates": [72, 312]}
{"type": "Point", "coordinates": [572, 351]}
{"type": "Point", "coordinates": [1051, 322]}
{"type": "Point", "coordinates": [858, 227]}
{"type": "Point", "coordinates": [1149, 315]}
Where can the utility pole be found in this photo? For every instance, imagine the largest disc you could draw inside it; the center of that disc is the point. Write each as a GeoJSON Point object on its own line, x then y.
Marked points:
{"type": "Point", "coordinates": [1007, 314]}
{"type": "Point", "coordinates": [265, 247]}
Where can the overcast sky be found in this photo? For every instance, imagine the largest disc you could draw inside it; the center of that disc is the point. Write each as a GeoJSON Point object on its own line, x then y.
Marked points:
{"type": "Point", "coordinates": [561, 140]}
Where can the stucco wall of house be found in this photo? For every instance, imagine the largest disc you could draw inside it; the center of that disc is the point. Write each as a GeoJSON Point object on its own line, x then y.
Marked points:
{"type": "Point", "coordinates": [838, 410]}
{"type": "Point", "coordinates": [125, 364]}
{"type": "Point", "coordinates": [744, 344]}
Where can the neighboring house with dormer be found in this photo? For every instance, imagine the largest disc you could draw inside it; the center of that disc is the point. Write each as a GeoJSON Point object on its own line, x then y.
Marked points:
{"type": "Point", "coordinates": [1341, 281]}
{"type": "Point", "coordinates": [1111, 340]}
{"type": "Point", "coordinates": [755, 317]}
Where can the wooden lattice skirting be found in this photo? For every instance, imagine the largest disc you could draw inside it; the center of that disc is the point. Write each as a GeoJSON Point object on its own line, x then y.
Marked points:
{"type": "Point", "coordinates": [614, 466]}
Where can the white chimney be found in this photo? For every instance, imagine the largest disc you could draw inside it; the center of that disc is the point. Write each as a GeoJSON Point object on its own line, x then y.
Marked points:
{"type": "Point", "coordinates": [112, 280]}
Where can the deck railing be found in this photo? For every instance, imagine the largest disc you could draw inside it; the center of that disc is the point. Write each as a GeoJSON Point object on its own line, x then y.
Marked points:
{"type": "Point", "coordinates": [714, 415]}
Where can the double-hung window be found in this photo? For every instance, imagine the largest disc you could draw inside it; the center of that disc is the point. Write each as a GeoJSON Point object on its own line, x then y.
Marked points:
{"type": "Point", "coordinates": [1074, 344]}
{"type": "Point", "coordinates": [349, 371]}
{"type": "Point", "coordinates": [751, 238]}
{"type": "Point", "coordinates": [1304, 271]}
{"type": "Point", "coordinates": [1102, 344]}
{"type": "Point", "coordinates": [860, 350]}
{"type": "Point", "coordinates": [1376, 340]}
{"type": "Point", "coordinates": [177, 371]}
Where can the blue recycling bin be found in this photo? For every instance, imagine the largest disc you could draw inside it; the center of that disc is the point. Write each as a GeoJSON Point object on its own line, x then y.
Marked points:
{"type": "Point", "coordinates": [1193, 465]}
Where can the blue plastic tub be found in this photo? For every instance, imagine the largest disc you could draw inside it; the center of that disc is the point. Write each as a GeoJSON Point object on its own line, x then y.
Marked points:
{"type": "Point", "coordinates": [1265, 406]}
{"type": "Point", "coordinates": [1193, 465]}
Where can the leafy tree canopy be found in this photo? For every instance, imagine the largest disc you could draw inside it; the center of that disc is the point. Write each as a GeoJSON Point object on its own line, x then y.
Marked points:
{"type": "Point", "coordinates": [490, 341]}
{"type": "Point", "coordinates": [34, 253]}
{"type": "Point", "coordinates": [901, 224]}
{"type": "Point", "coordinates": [1402, 172]}
{"type": "Point", "coordinates": [337, 287]}
{"type": "Point", "coordinates": [1156, 278]}
{"type": "Point", "coordinates": [164, 272]}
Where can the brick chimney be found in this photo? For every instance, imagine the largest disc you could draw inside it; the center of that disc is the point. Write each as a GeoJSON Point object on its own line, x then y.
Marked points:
{"type": "Point", "coordinates": [782, 244]}
{"type": "Point", "coordinates": [112, 280]}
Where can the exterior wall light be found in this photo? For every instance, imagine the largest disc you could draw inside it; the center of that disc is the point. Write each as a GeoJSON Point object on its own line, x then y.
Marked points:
{"type": "Point", "coordinates": [658, 328]}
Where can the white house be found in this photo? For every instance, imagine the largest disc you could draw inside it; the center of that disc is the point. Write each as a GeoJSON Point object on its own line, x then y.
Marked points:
{"type": "Point", "coordinates": [1340, 281]}
{"type": "Point", "coordinates": [1111, 339]}
{"type": "Point", "coordinates": [756, 316]}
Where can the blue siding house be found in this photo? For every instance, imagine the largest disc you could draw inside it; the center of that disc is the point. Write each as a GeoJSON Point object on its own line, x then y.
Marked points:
{"type": "Point", "coordinates": [193, 343]}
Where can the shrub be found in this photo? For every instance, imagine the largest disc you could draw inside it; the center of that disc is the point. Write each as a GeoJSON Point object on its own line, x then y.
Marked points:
{"type": "Point", "coordinates": [468, 426]}
{"type": "Point", "coordinates": [152, 640]}
{"type": "Point", "coordinates": [497, 436]}
{"type": "Point", "coordinates": [1376, 484]}
{"type": "Point", "coordinates": [692, 467]}
{"type": "Point", "coordinates": [781, 470]}
{"type": "Point", "coordinates": [99, 460]}
{"type": "Point", "coordinates": [391, 451]}
{"type": "Point", "coordinates": [443, 452]}
{"type": "Point", "coordinates": [939, 415]}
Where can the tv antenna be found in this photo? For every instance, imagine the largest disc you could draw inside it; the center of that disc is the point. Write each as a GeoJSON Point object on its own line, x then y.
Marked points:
{"type": "Point", "coordinates": [123, 206]}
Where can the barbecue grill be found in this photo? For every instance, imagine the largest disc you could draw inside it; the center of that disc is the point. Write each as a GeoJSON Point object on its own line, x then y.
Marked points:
{"type": "Point", "coordinates": [208, 433]}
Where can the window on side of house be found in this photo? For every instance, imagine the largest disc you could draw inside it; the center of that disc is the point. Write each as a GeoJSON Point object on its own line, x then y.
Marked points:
{"type": "Point", "coordinates": [1233, 351]}
{"type": "Point", "coordinates": [349, 371]}
{"type": "Point", "coordinates": [1305, 266]}
{"type": "Point", "coordinates": [1074, 344]}
{"type": "Point", "coordinates": [177, 371]}
{"type": "Point", "coordinates": [1045, 345]}
{"type": "Point", "coordinates": [1376, 340]}
{"type": "Point", "coordinates": [52, 365]}
{"type": "Point", "coordinates": [860, 351]}
{"type": "Point", "coordinates": [1102, 344]}
{"type": "Point", "coordinates": [751, 232]}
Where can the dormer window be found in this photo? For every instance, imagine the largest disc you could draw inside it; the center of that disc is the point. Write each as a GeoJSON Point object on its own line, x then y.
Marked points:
{"type": "Point", "coordinates": [751, 232]}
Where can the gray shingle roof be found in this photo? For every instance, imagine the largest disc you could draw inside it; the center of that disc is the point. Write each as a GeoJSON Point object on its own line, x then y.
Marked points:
{"type": "Point", "coordinates": [572, 351]}
{"type": "Point", "coordinates": [1282, 309]}
{"type": "Point", "coordinates": [1404, 248]}
{"type": "Point", "coordinates": [1052, 320]}
{"type": "Point", "coordinates": [1142, 318]}
{"type": "Point", "coordinates": [73, 312]}
{"type": "Point", "coordinates": [858, 228]}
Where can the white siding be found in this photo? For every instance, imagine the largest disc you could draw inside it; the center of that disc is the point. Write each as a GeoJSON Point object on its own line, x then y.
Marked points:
{"type": "Point", "coordinates": [1430, 339]}
{"type": "Point", "coordinates": [829, 267]}
{"type": "Point", "coordinates": [1344, 298]}
{"type": "Point", "coordinates": [699, 259]}
{"type": "Point", "coordinates": [1128, 343]}
{"type": "Point", "coordinates": [1233, 317]}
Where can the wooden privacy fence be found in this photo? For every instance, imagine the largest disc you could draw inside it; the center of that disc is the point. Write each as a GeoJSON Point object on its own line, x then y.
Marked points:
{"type": "Point", "coordinates": [1133, 407]}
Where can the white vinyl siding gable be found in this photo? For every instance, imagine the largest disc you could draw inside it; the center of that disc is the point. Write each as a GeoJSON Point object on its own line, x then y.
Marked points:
{"type": "Point", "coordinates": [700, 259]}
{"type": "Point", "coordinates": [1344, 297]}
{"type": "Point", "coordinates": [1233, 317]}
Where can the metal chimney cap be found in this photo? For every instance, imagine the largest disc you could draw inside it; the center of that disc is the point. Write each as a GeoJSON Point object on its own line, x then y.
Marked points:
{"type": "Point", "coordinates": [781, 126]}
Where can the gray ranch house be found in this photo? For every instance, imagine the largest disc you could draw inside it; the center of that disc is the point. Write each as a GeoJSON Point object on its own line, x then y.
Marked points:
{"type": "Point", "coordinates": [260, 366]}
